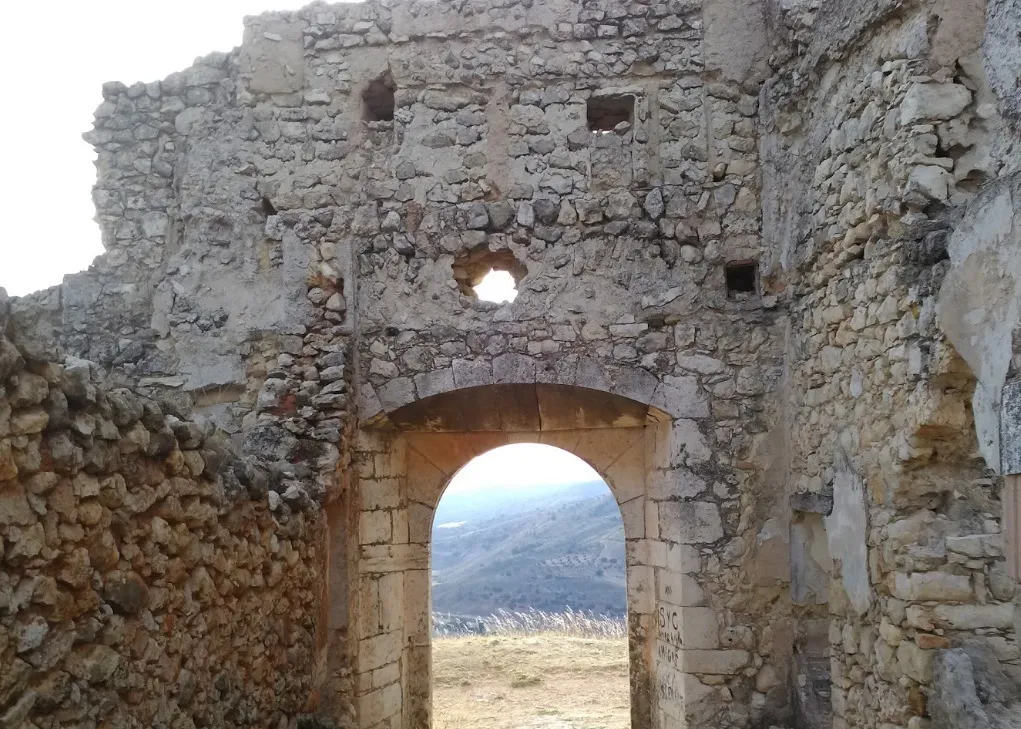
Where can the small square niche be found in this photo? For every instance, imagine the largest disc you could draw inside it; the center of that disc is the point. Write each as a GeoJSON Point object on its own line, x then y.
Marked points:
{"type": "Point", "coordinates": [604, 113]}
{"type": "Point", "coordinates": [378, 100]}
{"type": "Point", "coordinates": [741, 278]}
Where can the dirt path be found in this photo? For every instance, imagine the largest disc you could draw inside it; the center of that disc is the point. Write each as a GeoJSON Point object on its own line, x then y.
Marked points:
{"type": "Point", "coordinates": [530, 683]}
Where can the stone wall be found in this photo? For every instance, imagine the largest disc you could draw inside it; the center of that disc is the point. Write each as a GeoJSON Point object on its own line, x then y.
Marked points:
{"type": "Point", "coordinates": [279, 249]}
{"type": "Point", "coordinates": [141, 583]}
{"type": "Point", "coordinates": [881, 138]}
{"type": "Point", "coordinates": [293, 230]}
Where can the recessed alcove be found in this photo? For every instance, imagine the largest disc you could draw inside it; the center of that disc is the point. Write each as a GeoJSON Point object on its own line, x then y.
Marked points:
{"type": "Point", "coordinates": [604, 113]}
{"type": "Point", "coordinates": [741, 278]}
{"type": "Point", "coordinates": [378, 99]}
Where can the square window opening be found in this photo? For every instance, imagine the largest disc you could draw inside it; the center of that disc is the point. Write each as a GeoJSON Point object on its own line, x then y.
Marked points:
{"type": "Point", "coordinates": [741, 277]}
{"type": "Point", "coordinates": [378, 99]}
{"type": "Point", "coordinates": [604, 113]}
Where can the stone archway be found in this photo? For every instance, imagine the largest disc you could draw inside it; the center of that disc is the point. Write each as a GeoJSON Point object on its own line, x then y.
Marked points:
{"type": "Point", "coordinates": [617, 454]}
{"type": "Point", "coordinates": [406, 455]}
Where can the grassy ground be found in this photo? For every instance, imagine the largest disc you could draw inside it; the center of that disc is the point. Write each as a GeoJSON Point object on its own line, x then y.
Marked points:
{"type": "Point", "coordinates": [530, 682]}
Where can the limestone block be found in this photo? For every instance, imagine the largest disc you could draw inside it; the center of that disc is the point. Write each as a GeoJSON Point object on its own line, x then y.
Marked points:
{"type": "Point", "coordinates": [391, 591]}
{"type": "Point", "coordinates": [699, 628]}
{"type": "Point", "coordinates": [380, 493]}
{"type": "Point", "coordinates": [416, 587]}
{"type": "Point", "coordinates": [513, 368]}
{"type": "Point", "coordinates": [399, 526]}
{"type": "Point", "coordinates": [633, 514]}
{"type": "Point", "coordinates": [930, 181]}
{"type": "Point", "coordinates": [688, 445]}
{"type": "Point", "coordinates": [472, 372]}
{"type": "Point", "coordinates": [375, 527]}
{"type": "Point", "coordinates": [396, 393]}
{"type": "Point", "coordinates": [683, 558]}
{"type": "Point", "coordinates": [915, 662]}
{"type": "Point", "coordinates": [14, 507]}
{"type": "Point", "coordinates": [378, 705]}
{"type": "Point", "coordinates": [640, 590]}
{"type": "Point", "coordinates": [634, 383]}
{"type": "Point", "coordinates": [272, 55]}
{"type": "Point", "coordinates": [29, 634]}
{"type": "Point", "coordinates": [420, 521]}
{"type": "Point", "coordinates": [681, 397]}
{"type": "Point", "coordinates": [675, 483]}
{"type": "Point", "coordinates": [652, 531]}
{"type": "Point", "coordinates": [977, 546]}
{"type": "Point", "coordinates": [626, 477]}
{"type": "Point", "coordinates": [678, 589]}
{"type": "Point", "coordinates": [933, 101]}
{"type": "Point", "coordinates": [940, 586]}
{"type": "Point", "coordinates": [93, 663]}
{"type": "Point", "coordinates": [970, 617]}
{"type": "Point", "coordinates": [368, 402]}
{"type": "Point", "coordinates": [378, 651]}
{"type": "Point", "coordinates": [690, 522]}
{"type": "Point", "coordinates": [726, 662]}
{"type": "Point", "coordinates": [435, 382]}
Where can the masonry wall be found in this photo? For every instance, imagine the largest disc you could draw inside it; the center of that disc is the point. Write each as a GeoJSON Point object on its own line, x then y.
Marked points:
{"type": "Point", "coordinates": [275, 258]}
{"type": "Point", "coordinates": [141, 584]}
{"type": "Point", "coordinates": [291, 264]}
{"type": "Point", "coordinates": [894, 414]}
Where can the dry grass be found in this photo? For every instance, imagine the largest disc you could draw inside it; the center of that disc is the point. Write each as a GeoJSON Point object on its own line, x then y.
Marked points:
{"type": "Point", "coordinates": [569, 623]}
{"type": "Point", "coordinates": [530, 682]}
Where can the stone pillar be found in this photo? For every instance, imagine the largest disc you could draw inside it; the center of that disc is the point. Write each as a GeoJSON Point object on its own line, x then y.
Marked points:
{"type": "Point", "coordinates": [1012, 540]}
{"type": "Point", "coordinates": [385, 557]}
{"type": "Point", "coordinates": [695, 651]}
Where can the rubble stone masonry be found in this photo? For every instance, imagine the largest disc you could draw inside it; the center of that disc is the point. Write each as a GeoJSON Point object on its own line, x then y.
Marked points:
{"type": "Point", "coordinates": [768, 262]}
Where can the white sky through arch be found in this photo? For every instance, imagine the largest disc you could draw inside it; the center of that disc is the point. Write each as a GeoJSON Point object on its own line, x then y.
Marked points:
{"type": "Point", "coordinates": [57, 59]}
{"type": "Point", "coordinates": [497, 286]}
{"type": "Point", "coordinates": [523, 466]}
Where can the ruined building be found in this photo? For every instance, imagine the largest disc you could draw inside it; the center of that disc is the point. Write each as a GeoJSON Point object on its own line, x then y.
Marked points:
{"type": "Point", "coordinates": [768, 255]}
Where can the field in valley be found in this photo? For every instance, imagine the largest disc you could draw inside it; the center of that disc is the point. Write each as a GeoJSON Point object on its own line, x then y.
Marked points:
{"type": "Point", "coordinates": [541, 681]}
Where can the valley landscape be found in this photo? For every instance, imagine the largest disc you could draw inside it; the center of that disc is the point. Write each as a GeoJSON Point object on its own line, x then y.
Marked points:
{"type": "Point", "coordinates": [548, 549]}
{"type": "Point", "coordinates": [541, 572]}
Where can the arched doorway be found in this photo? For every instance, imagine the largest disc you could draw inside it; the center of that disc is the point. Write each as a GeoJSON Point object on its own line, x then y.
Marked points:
{"type": "Point", "coordinates": [528, 594]}
{"type": "Point", "coordinates": [406, 456]}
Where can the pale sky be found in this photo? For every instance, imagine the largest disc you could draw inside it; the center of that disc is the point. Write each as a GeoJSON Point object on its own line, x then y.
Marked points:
{"type": "Point", "coordinates": [497, 286]}
{"type": "Point", "coordinates": [55, 59]}
{"type": "Point", "coordinates": [56, 65]}
{"type": "Point", "coordinates": [524, 466]}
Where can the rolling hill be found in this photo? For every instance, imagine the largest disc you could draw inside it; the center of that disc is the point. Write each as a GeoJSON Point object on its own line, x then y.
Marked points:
{"type": "Point", "coordinates": [548, 550]}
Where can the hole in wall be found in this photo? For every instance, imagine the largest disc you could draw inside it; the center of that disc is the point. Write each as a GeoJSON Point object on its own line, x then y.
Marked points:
{"type": "Point", "coordinates": [497, 286]}
{"type": "Point", "coordinates": [604, 113]}
{"type": "Point", "coordinates": [487, 275]}
{"type": "Point", "coordinates": [972, 182]}
{"type": "Point", "coordinates": [378, 99]}
{"type": "Point", "coordinates": [741, 277]}
{"type": "Point", "coordinates": [268, 208]}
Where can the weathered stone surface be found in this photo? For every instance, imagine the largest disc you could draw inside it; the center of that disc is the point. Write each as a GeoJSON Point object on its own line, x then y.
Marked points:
{"type": "Point", "coordinates": [127, 593]}
{"type": "Point", "coordinates": [933, 101]}
{"type": "Point", "coordinates": [966, 696]}
{"type": "Point", "coordinates": [761, 251]}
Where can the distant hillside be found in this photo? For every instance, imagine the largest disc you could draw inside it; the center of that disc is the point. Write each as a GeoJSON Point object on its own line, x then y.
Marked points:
{"type": "Point", "coordinates": [493, 502]}
{"type": "Point", "coordinates": [564, 548]}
